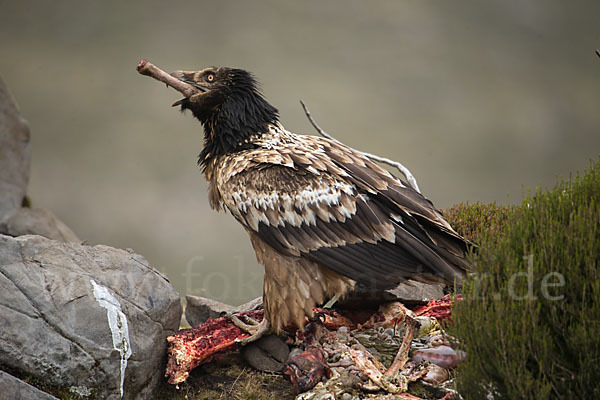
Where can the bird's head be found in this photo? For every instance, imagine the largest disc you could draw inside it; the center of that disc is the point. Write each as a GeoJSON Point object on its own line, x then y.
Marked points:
{"type": "Point", "coordinates": [229, 105]}
{"type": "Point", "coordinates": [214, 86]}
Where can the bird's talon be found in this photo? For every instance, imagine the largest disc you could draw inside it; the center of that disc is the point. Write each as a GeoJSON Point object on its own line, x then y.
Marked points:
{"type": "Point", "coordinates": [317, 317]}
{"type": "Point", "coordinates": [256, 329]}
{"type": "Point", "coordinates": [250, 328]}
{"type": "Point", "coordinates": [249, 321]}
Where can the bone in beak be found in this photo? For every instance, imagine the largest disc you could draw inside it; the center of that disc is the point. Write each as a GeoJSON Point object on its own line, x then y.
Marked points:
{"type": "Point", "coordinates": [147, 68]}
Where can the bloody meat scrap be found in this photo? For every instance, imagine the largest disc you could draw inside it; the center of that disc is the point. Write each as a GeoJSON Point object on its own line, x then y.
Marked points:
{"type": "Point", "coordinates": [307, 369]}
{"type": "Point", "coordinates": [189, 348]}
{"type": "Point", "coordinates": [440, 309]}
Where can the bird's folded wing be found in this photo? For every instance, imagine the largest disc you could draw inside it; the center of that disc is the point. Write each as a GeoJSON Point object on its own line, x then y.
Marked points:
{"type": "Point", "coordinates": [321, 201]}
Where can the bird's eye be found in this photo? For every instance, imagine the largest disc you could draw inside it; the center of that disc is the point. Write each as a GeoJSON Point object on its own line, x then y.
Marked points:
{"type": "Point", "coordinates": [210, 77]}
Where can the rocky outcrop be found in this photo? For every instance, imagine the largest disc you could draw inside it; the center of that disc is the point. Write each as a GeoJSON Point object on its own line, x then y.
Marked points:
{"type": "Point", "coordinates": [15, 389]}
{"type": "Point", "coordinates": [15, 159]}
{"type": "Point", "coordinates": [37, 221]}
{"type": "Point", "coordinates": [15, 154]}
{"type": "Point", "coordinates": [89, 319]}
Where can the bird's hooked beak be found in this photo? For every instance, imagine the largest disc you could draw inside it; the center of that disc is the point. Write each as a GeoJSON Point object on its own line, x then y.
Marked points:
{"type": "Point", "coordinates": [190, 78]}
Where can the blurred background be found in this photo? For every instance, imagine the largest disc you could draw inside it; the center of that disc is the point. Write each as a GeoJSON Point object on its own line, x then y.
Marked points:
{"type": "Point", "coordinates": [480, 100]}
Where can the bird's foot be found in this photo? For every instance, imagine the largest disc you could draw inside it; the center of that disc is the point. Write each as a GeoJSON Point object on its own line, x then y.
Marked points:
{"type": "Point", "coordinates": [317, 317]}
{"type": "Point", "coordinates": [255, 329]}
{"type": "Point", "coordinates": [246, 325]}
{"type": "Point", "coordinates": [257, 332]}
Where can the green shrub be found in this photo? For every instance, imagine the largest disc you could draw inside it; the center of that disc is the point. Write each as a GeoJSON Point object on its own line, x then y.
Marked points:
{"type": "Point", "coordinates": [530, 321]}
{"type": "Point", "coordinates": [473, 221]}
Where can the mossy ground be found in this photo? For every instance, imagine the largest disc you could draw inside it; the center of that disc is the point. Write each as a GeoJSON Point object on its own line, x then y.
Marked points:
{"type": "Point", "coordinates": [229, 379]}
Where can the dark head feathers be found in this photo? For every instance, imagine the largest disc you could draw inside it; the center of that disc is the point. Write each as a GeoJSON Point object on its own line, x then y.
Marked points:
{"type": "Point", "coordinates": [230, 106]}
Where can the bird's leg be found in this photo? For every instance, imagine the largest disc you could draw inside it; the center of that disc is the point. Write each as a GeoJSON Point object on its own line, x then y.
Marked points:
{"type": "Point", "coordinates": [254, 328]}
{"type": "Point", "coordinates": [391, 374]}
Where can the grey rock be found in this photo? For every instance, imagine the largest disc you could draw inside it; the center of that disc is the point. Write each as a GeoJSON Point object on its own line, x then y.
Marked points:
{"type": "Point", "coordinates": [15, 154]}
{"type": "Point", "coordinates": [56, 301]}
{"type": "Point", "coordinates": [267, 354]}
{"type": "Point", "coordinates": [15, 160]}
{"type": "Point", "coordinates": [408, 293]}
{"type": "Point", "coordinates": [15, 389]}
{"type": "Point", "coordinates": [37, 221]}
{"type": "Point", "coordinates": [412, 292]}
{"type": "Point", "coordinates": [198, 309]}
{"type": "Point", "coordinates": [253, 304]}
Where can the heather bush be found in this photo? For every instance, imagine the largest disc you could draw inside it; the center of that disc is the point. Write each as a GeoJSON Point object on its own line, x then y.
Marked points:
{"type": "Point", "coordinates": [530, 320]}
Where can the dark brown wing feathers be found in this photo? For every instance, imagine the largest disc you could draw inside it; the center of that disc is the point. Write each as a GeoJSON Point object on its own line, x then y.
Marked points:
{"type": "Point", "coordinates": [311, 197]}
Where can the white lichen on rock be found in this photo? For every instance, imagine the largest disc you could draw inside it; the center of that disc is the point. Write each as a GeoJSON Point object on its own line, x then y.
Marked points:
{"type": "Point", "coordinates": [117, 321]}
{"type": "Point", "coordinates": [81, 391]}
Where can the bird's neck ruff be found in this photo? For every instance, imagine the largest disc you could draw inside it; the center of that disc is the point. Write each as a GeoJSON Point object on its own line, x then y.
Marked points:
{"type": "Point", "coordinates": [244, 113]}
